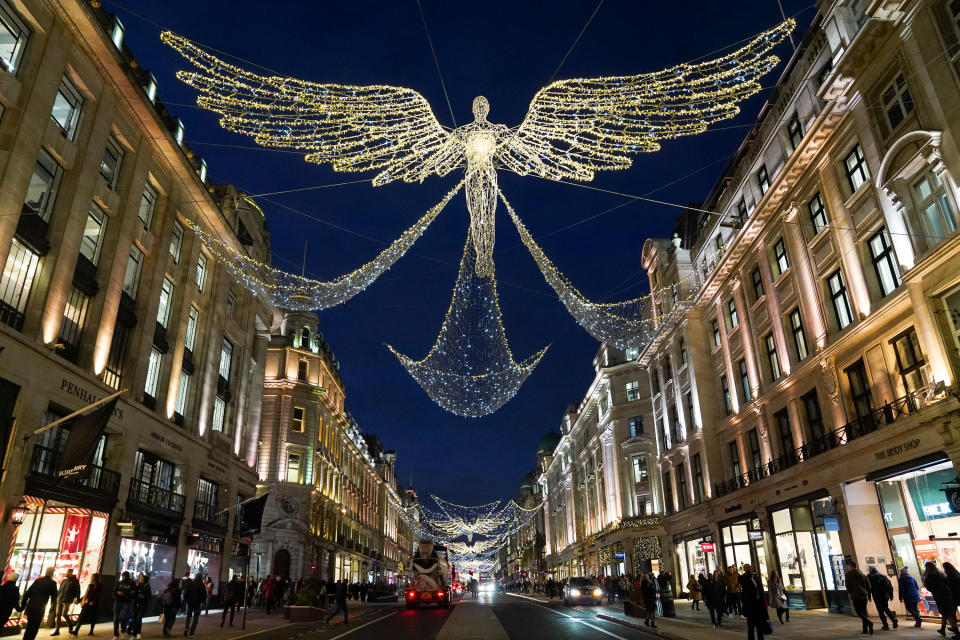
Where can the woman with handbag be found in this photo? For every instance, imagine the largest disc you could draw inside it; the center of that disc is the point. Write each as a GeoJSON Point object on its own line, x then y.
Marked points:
{"type": "Point", "coordinates": [88, 605]}
{"type": "Point", "coordinates": [778, 596]}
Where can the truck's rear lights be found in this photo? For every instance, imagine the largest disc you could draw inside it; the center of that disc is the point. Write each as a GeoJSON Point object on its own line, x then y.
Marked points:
{"type": "Point", "coordinates": [439, 594]}
{"type": "Point", "coordinates": [411, 594]}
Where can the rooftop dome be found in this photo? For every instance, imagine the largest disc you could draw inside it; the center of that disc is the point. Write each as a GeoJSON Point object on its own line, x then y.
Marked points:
{"type": "Point", "coordinates": [548, 442]}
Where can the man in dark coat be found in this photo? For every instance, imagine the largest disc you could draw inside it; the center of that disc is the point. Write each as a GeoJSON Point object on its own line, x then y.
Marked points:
{"type": "Point", "coordinates": [9, 598]}
{"type": "Point", "coordinates": [122, 604]}
{"type": "Point", "coordinates": [713, 598]}
{"type": "Point", "coordinates": [232, 598]}
{"type": "Point", "coordinates": [858, 589]}
{"type": "Point", "coordinates": [35, 600]}
{"type": "Point", "coordinates": [68, 594]}
{"type": "Point", "coordinates": [882, 591]}
{"type": "Point", "coordinates": [754, 603]}
{"type": "Point", "coordinates": [341, 601]}
{"type": "Point", "coordinates": [194, 595]}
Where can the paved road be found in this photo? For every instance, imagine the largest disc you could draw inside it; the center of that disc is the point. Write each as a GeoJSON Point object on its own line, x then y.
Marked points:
{"type": "Point", "coordinates": [497, 617]}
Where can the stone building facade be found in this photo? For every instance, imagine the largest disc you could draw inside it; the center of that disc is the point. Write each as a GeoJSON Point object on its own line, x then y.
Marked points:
{"type": "Point", "coordinates": [105, 287]}
{"type": "Point", "coordinates": [600, 492]}
{"type": "Point", "coordinates": [809, 317]}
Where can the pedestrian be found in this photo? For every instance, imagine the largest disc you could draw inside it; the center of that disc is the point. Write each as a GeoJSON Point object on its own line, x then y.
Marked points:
{"type": "Point", "coordinates": [909, 594]}
{"type": "Point", "coordinates": [695, 594]}
{"type": "Point", "coordinates": [950, 597]}
{"type": "Point", "coordinates": [89, 604]}
{"type": "Point", "coordinates": [882, 591]}
{"type": "Point", "coordinates": [778, 596]}
{"type": "Point", "coordinates": [141, 599]}
{"type": "Point", "coordinates": [67, 595]}
{"type": "Point", "coordinates": [232, 599]}
{"type": "Point", "coordinates": [208, 587]}
{"type": "Point", "coordinates": [193, 596]}
{"type": "Point", "coordinates": [171, 602]}
{"type": "Point", "coordinates": [648, 591]}
{"type": "Point", "coordinates": [732, 583]}
{"type": "Point", "coordinates": [754, 604]}
{"type": "Point", "coordinates": [713, 597]}
{"type": "Point", "coordinates": [364, 590]}
{"type": "Point", "coordinates": [858, 589]}
{"type": "Point", "coordinates": [42, 591]}
{"type": "Point", "coordinates": [9, 598]}
{"type": "Point", "coordinates": [122, 601]}
{"type": "Point", "coordinates": [269, 594]}
{"type": "Point", "coordinates": [341, 599]}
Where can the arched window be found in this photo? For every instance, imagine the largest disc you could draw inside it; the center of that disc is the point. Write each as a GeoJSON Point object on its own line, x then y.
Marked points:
{"type": "Point", "coordinates": [305, 337]}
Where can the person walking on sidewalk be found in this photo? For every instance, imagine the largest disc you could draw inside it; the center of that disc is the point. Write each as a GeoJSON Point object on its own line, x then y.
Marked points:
{"type": "Point", "coordinates": [67, 596]}
{"type": "Point", "coordinates": [754, 604]}
{"type": "Point", "coordinates": [193, 597]}
{"type": "Point", "coordinates": [648, 591]}
{"type": "Point", "coordinates": [141, 598]}
{"type": "Point", "coordinates": [882, 591]}
{"type": "Point", "coordinates": [778, 596]}
{"type": "Point", "coordinates": [122, 601]}
{"type": "Point", "coordinates": [232, 599]}
{"type": "Point", "coordinates": [909, 594]}
{"type": "Point", "coordinates": [713, 597]}
{"type": "Point", "coordinates": [695, 594]}
{"type": "Point", "coordinates": [341, 602]}
{"type": "Point", "coordinates": [9, 598]}
{"type": "Point", "coordinates": [858, 589]}
{"type": "Point", "coordinates": [89, 604]}
{"type": "Point", "coordinates": [171, 602]}
{"type": "Point", "coordinates": [208, 586]}
{"type": "Point", "coordinates": [35, 600]}
{"type": "Point", "coordinates": [732, 583]}
{"type": "Point", "coordinates": [938, 584]}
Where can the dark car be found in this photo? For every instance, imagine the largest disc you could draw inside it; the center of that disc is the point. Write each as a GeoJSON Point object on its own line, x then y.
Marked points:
{"type": "Point", "coordinates": [581, 591]}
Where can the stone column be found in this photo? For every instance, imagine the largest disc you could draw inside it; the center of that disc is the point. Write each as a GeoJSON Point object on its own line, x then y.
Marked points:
{"type": "Point", "coordinates": [747, 338]}
{"type": "Point", "coordinates": [255, 408]}
{"type": "Point", "coordinates": [612, 475]}
{"type": "Point", "coordinates": [805, 280]}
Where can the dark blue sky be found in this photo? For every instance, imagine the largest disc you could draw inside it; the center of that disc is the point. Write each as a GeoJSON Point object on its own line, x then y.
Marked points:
{"type": "Point", "coordinates": [505, 50]}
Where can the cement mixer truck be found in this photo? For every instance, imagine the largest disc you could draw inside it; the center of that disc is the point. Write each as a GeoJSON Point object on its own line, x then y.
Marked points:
{"type": "Point", "coordinates": [429, 576]}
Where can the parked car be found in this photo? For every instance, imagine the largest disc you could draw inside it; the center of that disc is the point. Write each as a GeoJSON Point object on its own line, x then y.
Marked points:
{"type": "Point", "coordinates": [581, 591]}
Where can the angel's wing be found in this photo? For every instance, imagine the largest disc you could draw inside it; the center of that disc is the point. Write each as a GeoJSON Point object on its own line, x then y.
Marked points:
{"type": "Point", "coordinates": [575, 127]}
{"type": "Point", "coordinates": [391, 129]}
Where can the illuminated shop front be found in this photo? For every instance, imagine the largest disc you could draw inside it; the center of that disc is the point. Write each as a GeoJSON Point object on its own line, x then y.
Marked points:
{"type": "Point", "coordinates": [743, 544]}
{"type": "Point", "coordinates": [696, 554]}
{"type": "Point", "coordinates": [57, 535]}
{"type": "Point", "coordinates": [155, 558]}
{"type": "Point", "coordinates": [206, 556]}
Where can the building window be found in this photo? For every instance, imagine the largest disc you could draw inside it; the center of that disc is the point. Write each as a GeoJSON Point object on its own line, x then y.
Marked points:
{"type": "Point", "coordinates": [742, 212]}
{"type": "Point", "coordinates": [897, 101]}
{"type": "Point", "coordinates": [794, 131]}
{"type": "Point", "coordinates": [757, 278]}
{"type": "Point", "coordinates": [207, 495]}
{"type": "Point", "coordinates": [113, 372]}
{"type": "Point", "coordinates": [881, 253]}
{"type": "Point", "coordinates": [92, 239]}
{"type": "Point", "coordinates": [715, 326]}
{"type": "Point", "coordinates": [763, 179]}
{"type": "Point", "coordinates": [735, 458]}
{"type": "Point", "coordinates": [153, 373]}
{"type": "Point", "coordinates": [799, 339]}
{"type": "Point", "coordinates": [110, 163]}
{"type": "Point", "coordinates": [838, 296]}
{"type": "Point", "coordinates": [131, 277]}
{"type": "Point", "coordinates": [633, 390]}
{"type": "Point", "coordinates": [780, 257]}
{"type": "Point", "coordinates": [13, 37]}
{"type": "Point", "coordinates": [166, 301]}
{"type": "Point", "coordinates": [66, 108]}
{"type": "Point", "coordinates": [16, 282]}
{"type": "Point", "coordinates": [71, 327]}
{"type": "Point", "coordinates": [756, 458]}
{"type": "Point", "coordinates": [639, 469]}
{"type": "Point", "coordinates": [698, 486]}
{"type": "Point", "coordinates": [910, 360]}
{"type": "Point", "coordinates": [682, 487]}
{"type": "Point", "coordinates": [655, 377]}
{"type": "Point", "coordinates": [176, 241]}
{"type": "Point", "coordinates": [632, 353]}
{"type": "Point", "coordinates": [727, 401]}
{"type": "Point", "coordinates": [42, 190]}
{"type": "Point", "coordinates": [116, 34]}
{"type": "Point", "coordinates": [811, 405]}
{"type": "Point", "coordinates": [219, 414]}
{"type": "Point", "coordinates": [201, 276]}
{"type": "Point", "coordinates": [667, 369]}
{"type": "Point", "coordinates": [303, 369]}
{"type": "Point", "coordinates": [636, 426]}
{"type": "Point", "coordinates": [298, 419]}
{"type": "Point", "coordinates": [818, 213]}
{"type": "Point", "coordinates": [772, 358]}
{"type": "Point", "coordinates": [787, 444]}
{"type": "Point", "coordinates": [860, 389]}
{"type": "Point", "coordinates": [644, 506]}
{"type": "Point", "coordinates": [183, 389]}
{"type": "Point", "coordinates": [226, 359]}
{"type": "Point", "coordinates": [744, 381]}
{"type": "Point", "coordinates": [190, 338]}
{"type": "Point", "coordinates": [732, 319]}
{"type": "Point", "coordinates": [148, 204]}
{"type": "Point", "coordinates": [230, 308]}
{"type": "Point", "coordinates": [691, 421]}
{"type": "Point", "coordinates": [856, 168]}
{"type": "Point", "coordinates": [683, 351]}
{"type": "Point", "coordinates": [293, 467]}
{"type": "Point", "coordinates": [934, 206]}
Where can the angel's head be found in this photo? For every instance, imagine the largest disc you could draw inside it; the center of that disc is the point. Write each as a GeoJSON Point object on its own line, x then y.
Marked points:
{"type": "Point", "coordinates": [481, 107]}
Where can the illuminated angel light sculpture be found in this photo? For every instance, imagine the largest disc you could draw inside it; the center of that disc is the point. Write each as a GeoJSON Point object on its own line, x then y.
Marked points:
{"type": "Point", "coordinates": [572, 129]}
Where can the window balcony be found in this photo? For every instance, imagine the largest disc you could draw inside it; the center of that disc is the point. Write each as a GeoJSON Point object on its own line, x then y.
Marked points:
{"type": "Point", "coordinates": [144, 495]}
{"type": "Point", "coordinates": [96, 479]}
{"type": "Point", "coordinates": [10, 316]}
{"type": "Point", "coordinates": [210, 514]}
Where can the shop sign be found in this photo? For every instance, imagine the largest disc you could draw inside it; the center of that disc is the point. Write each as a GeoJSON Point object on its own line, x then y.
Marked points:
{"type": "Point", "coordinates": [85, 395]}
{"type": "Point", "coordinates": [708, 538]}
{"type": "Point", "coordinates": [831, 523]}
{"type": "Point", "coordinates": [706, 547]}
{"type": "Point", "coordinates": [896, 450]}
{"type": "Point", "coordinates": [173, 444]}
{"type": "Point", "coordinates": [755, 536]}
{"type": "Point", "coordinates": [618, 555]}
{"type": "Point", "coordinates": [839, 570]}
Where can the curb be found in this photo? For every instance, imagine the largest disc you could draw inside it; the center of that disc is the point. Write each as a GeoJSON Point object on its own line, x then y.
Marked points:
{"type": "Point", "coordinates": [659, 633]}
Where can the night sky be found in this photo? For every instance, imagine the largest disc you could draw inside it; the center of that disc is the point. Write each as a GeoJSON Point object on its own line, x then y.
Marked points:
{"type": "Point", "coordinates": [506, 51]}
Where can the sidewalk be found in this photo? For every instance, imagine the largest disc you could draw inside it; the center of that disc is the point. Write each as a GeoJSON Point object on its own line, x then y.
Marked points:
{"type": "Point", "coordinates": [803, 625]}
{"type": "Point", "coordinates": [209, 626]}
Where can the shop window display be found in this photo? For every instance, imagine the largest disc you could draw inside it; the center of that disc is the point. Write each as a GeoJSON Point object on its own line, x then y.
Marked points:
{"type": "Point", "coordinates": [137, 556]}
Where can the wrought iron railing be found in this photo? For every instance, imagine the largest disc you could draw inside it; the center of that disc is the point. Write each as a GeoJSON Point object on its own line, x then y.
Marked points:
{"type": "Point", "coordinates": [144, 494]}
{"type": "Point", "coordinates": [44, 462]}
{"type": "Point", "coordinates": [210, 513]}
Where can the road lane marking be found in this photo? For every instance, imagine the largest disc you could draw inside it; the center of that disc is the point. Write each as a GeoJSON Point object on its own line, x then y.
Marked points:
{"type": "Point", "coordinates": [560, 613]}
{"type": "Point", "coordinates": [253, 633]}
{"type": "Point", "coordinates": [346, 633]}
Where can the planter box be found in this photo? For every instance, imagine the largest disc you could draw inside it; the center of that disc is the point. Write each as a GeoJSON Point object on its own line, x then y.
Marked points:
{"type": "Point", "coordinates": [303, 614]}
{"type": "Point", "coordinates": [634, 610]}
